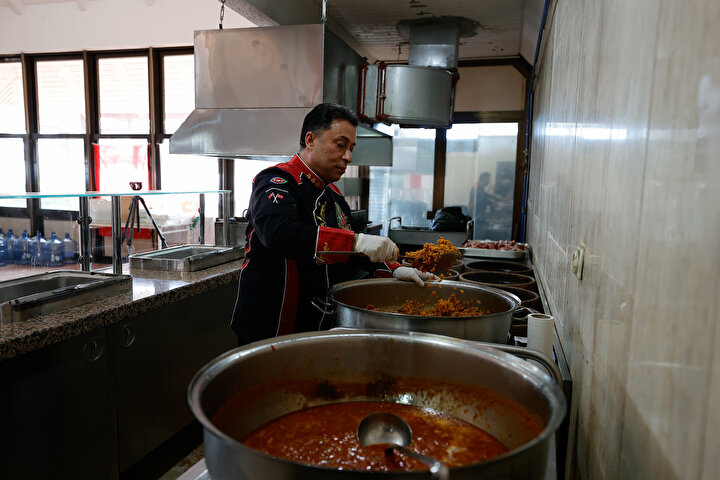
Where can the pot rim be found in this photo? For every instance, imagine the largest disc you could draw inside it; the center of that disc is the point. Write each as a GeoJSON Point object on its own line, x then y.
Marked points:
{"type": "Point", "coordinates": [543, 381]}
{"type": "Point", "coordinates": [510, 297]}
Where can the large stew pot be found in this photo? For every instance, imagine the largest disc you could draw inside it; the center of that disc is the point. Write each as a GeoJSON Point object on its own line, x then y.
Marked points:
{"type": "Point", "coordinates": [510, 398]}
{"type": "Point", "coordinates": [351, 299]}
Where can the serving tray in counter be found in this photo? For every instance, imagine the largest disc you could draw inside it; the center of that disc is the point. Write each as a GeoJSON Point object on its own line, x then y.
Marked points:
{"type": "Point", "coordinates": [493, 253]}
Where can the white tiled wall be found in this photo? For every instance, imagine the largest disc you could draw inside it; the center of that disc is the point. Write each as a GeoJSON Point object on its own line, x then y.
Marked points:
{"type": "Point", "coordinates": [625, 159]}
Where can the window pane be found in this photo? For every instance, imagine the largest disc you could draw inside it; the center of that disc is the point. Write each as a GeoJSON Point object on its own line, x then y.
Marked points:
{"type": "Point", "coordinates": [61, 163]}
{"type": "Point", "coordinates": [187, 172]}
{"type": "Point", "coordinates": [179, 89]}
{"type": "Point", "coordinates": [12, 165]}
{"type": "Point", "coordinates": [124, 100]}
{"type": "Point", "coordinates": [480, 175]}
{"type": "Point", "coordinates": [245, 171]}
{"type": "Point", "coordinates": [12, 104]}
{"type": "Point", "coordinates": [405, 189]}
{"type": "Point", "coordinates": [61, 96]}
{"type": "Point", "coordinates": [119, 162]}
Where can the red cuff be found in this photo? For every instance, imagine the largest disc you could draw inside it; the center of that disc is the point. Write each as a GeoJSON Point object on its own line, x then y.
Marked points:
{"type": "Point", "coordinates": [335, 240]}
{"type": "Point", "coordinates": [392, 265]}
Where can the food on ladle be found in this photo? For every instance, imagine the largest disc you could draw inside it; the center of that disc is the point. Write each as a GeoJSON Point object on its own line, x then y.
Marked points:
{"type": "Point", "coordinates": [436, 258]}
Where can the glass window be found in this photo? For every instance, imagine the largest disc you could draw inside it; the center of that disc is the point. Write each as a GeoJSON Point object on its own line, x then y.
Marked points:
{"type": "Point", "coordinates": [124, 95]}
{"type": "Point", "coordinates": [119, 162]}
{"type": "Point", "coordinates": [61, 96]}
{"type": "Point", "coordinates": [179, 89]}
{"type": "Point", "coordinates": [61, 166]}
{"type": "Point", "coordinates": [245, 171]}
{"type": "Point", "coordinates": [12, 103]}
{"type": "Point", "coordinates": [404, 190]}
{"type": "Point", "coordinates": [190, 172]}
{"type": "Point", "coordinates": [480, 175]}
{"type": "Point", "coordinates": [12, 166]}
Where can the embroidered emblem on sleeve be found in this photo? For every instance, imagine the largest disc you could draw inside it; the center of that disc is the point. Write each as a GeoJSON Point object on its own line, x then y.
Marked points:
{"type": "Point", "coordinates": [278, 180]}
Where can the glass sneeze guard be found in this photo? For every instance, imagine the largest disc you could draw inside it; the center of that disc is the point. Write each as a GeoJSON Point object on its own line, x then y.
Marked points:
{"type": "Point", "coordinates": [84, 218]}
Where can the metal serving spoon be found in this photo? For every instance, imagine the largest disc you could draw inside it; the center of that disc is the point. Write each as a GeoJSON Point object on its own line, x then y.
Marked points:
{"type": "Point", "coordinates": [383, 427]}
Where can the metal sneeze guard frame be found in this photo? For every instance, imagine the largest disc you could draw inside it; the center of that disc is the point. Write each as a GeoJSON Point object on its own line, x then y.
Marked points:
{"type": "Point", "coordinates": [84, 219]}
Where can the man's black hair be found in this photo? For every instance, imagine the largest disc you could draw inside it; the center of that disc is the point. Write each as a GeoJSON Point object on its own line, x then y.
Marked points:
{"type": "Point", "coordinates": [321, 117]}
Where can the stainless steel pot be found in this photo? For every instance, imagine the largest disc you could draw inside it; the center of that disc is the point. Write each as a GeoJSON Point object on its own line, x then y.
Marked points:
{"type": "Point", "coordinates": [509, 398]}
{"type": "Point", "coordinates": [351, 299]}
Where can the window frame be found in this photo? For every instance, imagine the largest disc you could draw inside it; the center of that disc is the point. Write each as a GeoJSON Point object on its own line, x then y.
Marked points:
{"type": "Point", "coordinates": [92, 134]}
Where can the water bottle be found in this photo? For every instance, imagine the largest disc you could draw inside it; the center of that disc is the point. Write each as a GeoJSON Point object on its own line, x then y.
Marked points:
{"type": "Point", "coordinates": [10, 246]}
{"type": "Point", "coordinates": [2, 235]}
{"type": "Point", "coordinates": [69, 249]}
{"type": "Point", "coordinates": [56, 251]}
{"type": "Point", "coordinates": [22, 249]}
{"type": "Point", "coordinates": [3, 251]}
{"type": "Point", "coordinates": [38, 250]}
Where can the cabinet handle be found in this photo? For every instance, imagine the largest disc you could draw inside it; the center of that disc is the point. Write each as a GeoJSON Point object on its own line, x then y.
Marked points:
{"type": "Point", "coordinates": [127, 335]}
{"type": "Point", "coordinates": [93, 349]}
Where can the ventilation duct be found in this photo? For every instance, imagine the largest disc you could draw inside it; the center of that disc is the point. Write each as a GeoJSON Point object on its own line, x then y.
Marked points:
{"type": "Point", "coordinates": [254, 86]}
{"type": "Point", "coordinates": [421, 93]}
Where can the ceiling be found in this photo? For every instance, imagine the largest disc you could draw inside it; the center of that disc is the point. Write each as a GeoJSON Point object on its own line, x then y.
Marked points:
{"type": "Point", "coordinates": [502, 28]}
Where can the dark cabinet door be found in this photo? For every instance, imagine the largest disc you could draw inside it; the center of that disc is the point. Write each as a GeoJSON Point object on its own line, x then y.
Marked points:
{"type": "Point", "coordinates": [57, 415]}
{"type": "Point", "coordinates": [155, 355]}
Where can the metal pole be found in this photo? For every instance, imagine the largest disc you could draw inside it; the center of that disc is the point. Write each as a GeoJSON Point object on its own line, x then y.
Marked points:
{"type": "Point", "coordinates": [201, 212]}
{"type": "Point", "coordinates": [226, 218]}
{"type": "Point", "coordinates": [116, 234]}
{"type": "Point", "coordinates": [85, 247]}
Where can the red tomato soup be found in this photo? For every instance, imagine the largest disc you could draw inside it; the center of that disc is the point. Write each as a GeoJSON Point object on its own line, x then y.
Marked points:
{"type": "Point", "coordinates": [325, 436]}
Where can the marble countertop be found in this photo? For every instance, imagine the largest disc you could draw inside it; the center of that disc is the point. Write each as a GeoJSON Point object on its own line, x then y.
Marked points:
{"type": "Point", "coordinates": [150, 290]}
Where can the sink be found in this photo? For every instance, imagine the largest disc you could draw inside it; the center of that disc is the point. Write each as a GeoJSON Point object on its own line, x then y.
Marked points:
{"type": "Point", "coordinates": [50, 292]}
{"type": "Point", "coordinates": [185, 258]}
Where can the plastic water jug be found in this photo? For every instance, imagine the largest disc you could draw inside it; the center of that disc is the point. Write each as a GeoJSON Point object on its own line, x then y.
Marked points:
{"type": "Point", "coordinates": [69, 249]}
{"type": "Point", "coordinates": [55, 258]}
{"type": "Point", "coordinates": [3, 252]}
{"type": "Point", "coordinates": [21, 250]}
{"type": "Point", "coordinates": [10, 246]}
{"type": "Point", "coordinates": [38, 251]}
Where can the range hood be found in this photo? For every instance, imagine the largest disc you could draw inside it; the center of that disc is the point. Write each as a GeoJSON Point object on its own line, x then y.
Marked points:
{"type": "Point", "coordinates": [254, 86]}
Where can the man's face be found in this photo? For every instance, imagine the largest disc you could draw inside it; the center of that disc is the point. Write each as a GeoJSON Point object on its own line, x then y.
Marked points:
{"type": "Point", "coordinates": [331, 151]}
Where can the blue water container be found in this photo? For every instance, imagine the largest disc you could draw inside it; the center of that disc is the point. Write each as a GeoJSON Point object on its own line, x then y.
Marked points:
{"type": "Point", "coordinates": [38, 251]}
{"type": "Point", "coordinates": [69, 249]}
{"type": "Point", "coordinates": [56, 251]}
{"type": "Point", "coordinates": [10, 246]}
{"type": "Point", "coordinates": [21, 250]}
{"type": "Point", "coordinates": [3, 252]}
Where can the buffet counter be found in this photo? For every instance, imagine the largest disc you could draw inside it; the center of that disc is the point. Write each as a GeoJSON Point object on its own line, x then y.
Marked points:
{"type": "Point", "coordinates": [150, 290]}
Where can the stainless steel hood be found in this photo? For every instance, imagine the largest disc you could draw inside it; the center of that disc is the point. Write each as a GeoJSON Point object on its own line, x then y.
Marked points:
{"type": "Point", "coordinates": [254, 86]}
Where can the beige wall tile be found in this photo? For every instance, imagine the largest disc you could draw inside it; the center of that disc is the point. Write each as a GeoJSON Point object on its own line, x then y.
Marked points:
{"type": "Point", "coordinates": [626, 121]}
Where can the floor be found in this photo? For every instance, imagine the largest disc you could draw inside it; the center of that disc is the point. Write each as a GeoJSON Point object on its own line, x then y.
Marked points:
{"type": "Point", "coordinates": [183, 465]}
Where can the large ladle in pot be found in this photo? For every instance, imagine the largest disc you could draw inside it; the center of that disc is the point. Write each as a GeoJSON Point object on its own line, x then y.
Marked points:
{"type": "Point", "coordinates": [387, 428]}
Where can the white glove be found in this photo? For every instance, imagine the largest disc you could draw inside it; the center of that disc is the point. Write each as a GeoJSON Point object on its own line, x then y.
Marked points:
{"type": "Point", "coordinates": [379, 249]}
{"type": "Point", "coordinates": [410, 274]}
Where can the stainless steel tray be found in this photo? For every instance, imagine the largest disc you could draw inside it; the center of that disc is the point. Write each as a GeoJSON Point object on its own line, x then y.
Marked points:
{"type": "Point", "coordinates": [185, 258]}
{"type": "Point", "coordinates": [490, 253]}
{"type": "Point", "coordinates": [421, 236]}
{"type": "Point", "coordinates": [50, 292]}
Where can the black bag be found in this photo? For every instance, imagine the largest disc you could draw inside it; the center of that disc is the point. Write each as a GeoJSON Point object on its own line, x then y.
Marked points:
{"type": "Point", "coordinates": [449, 219]}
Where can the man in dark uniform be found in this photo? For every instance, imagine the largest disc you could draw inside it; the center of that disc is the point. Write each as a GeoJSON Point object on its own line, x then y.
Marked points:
{"type": "Point", "coordinates": [295, 214]}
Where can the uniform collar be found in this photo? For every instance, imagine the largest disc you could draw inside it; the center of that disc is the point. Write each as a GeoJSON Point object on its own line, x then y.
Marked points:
{"type": "Point", "coordinates": [314, 178]}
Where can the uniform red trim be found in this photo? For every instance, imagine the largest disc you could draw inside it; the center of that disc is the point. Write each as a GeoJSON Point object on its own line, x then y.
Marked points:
{"type": "Point", "coordinates": [297, 168]}
{"type": "Point", "coordinates": [290, 299]}
{"type": "Point", "coordinates": [334, 239]}
{"type": "Point", "coordinates": [335, 189]}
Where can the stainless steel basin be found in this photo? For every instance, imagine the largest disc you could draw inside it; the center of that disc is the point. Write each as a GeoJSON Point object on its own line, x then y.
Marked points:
{"type": "Point", "coordinates": [50, 292]}
{"type": "Point", "coordinates": [185, 258]}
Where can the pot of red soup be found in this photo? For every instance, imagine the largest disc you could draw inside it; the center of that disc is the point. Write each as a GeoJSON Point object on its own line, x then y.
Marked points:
{"type": "Point", "coordinates": [457, 309]}
{"type": "Point", "coordinates": [289, 407]}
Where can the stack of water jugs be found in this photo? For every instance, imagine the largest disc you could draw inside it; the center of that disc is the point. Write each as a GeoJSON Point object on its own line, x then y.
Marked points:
{"type": "Point", "coordinates": [36, 251]}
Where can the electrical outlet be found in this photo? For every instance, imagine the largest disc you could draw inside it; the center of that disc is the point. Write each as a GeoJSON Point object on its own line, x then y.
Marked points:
{"type": "Point", "coordinates": [578, 261]}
